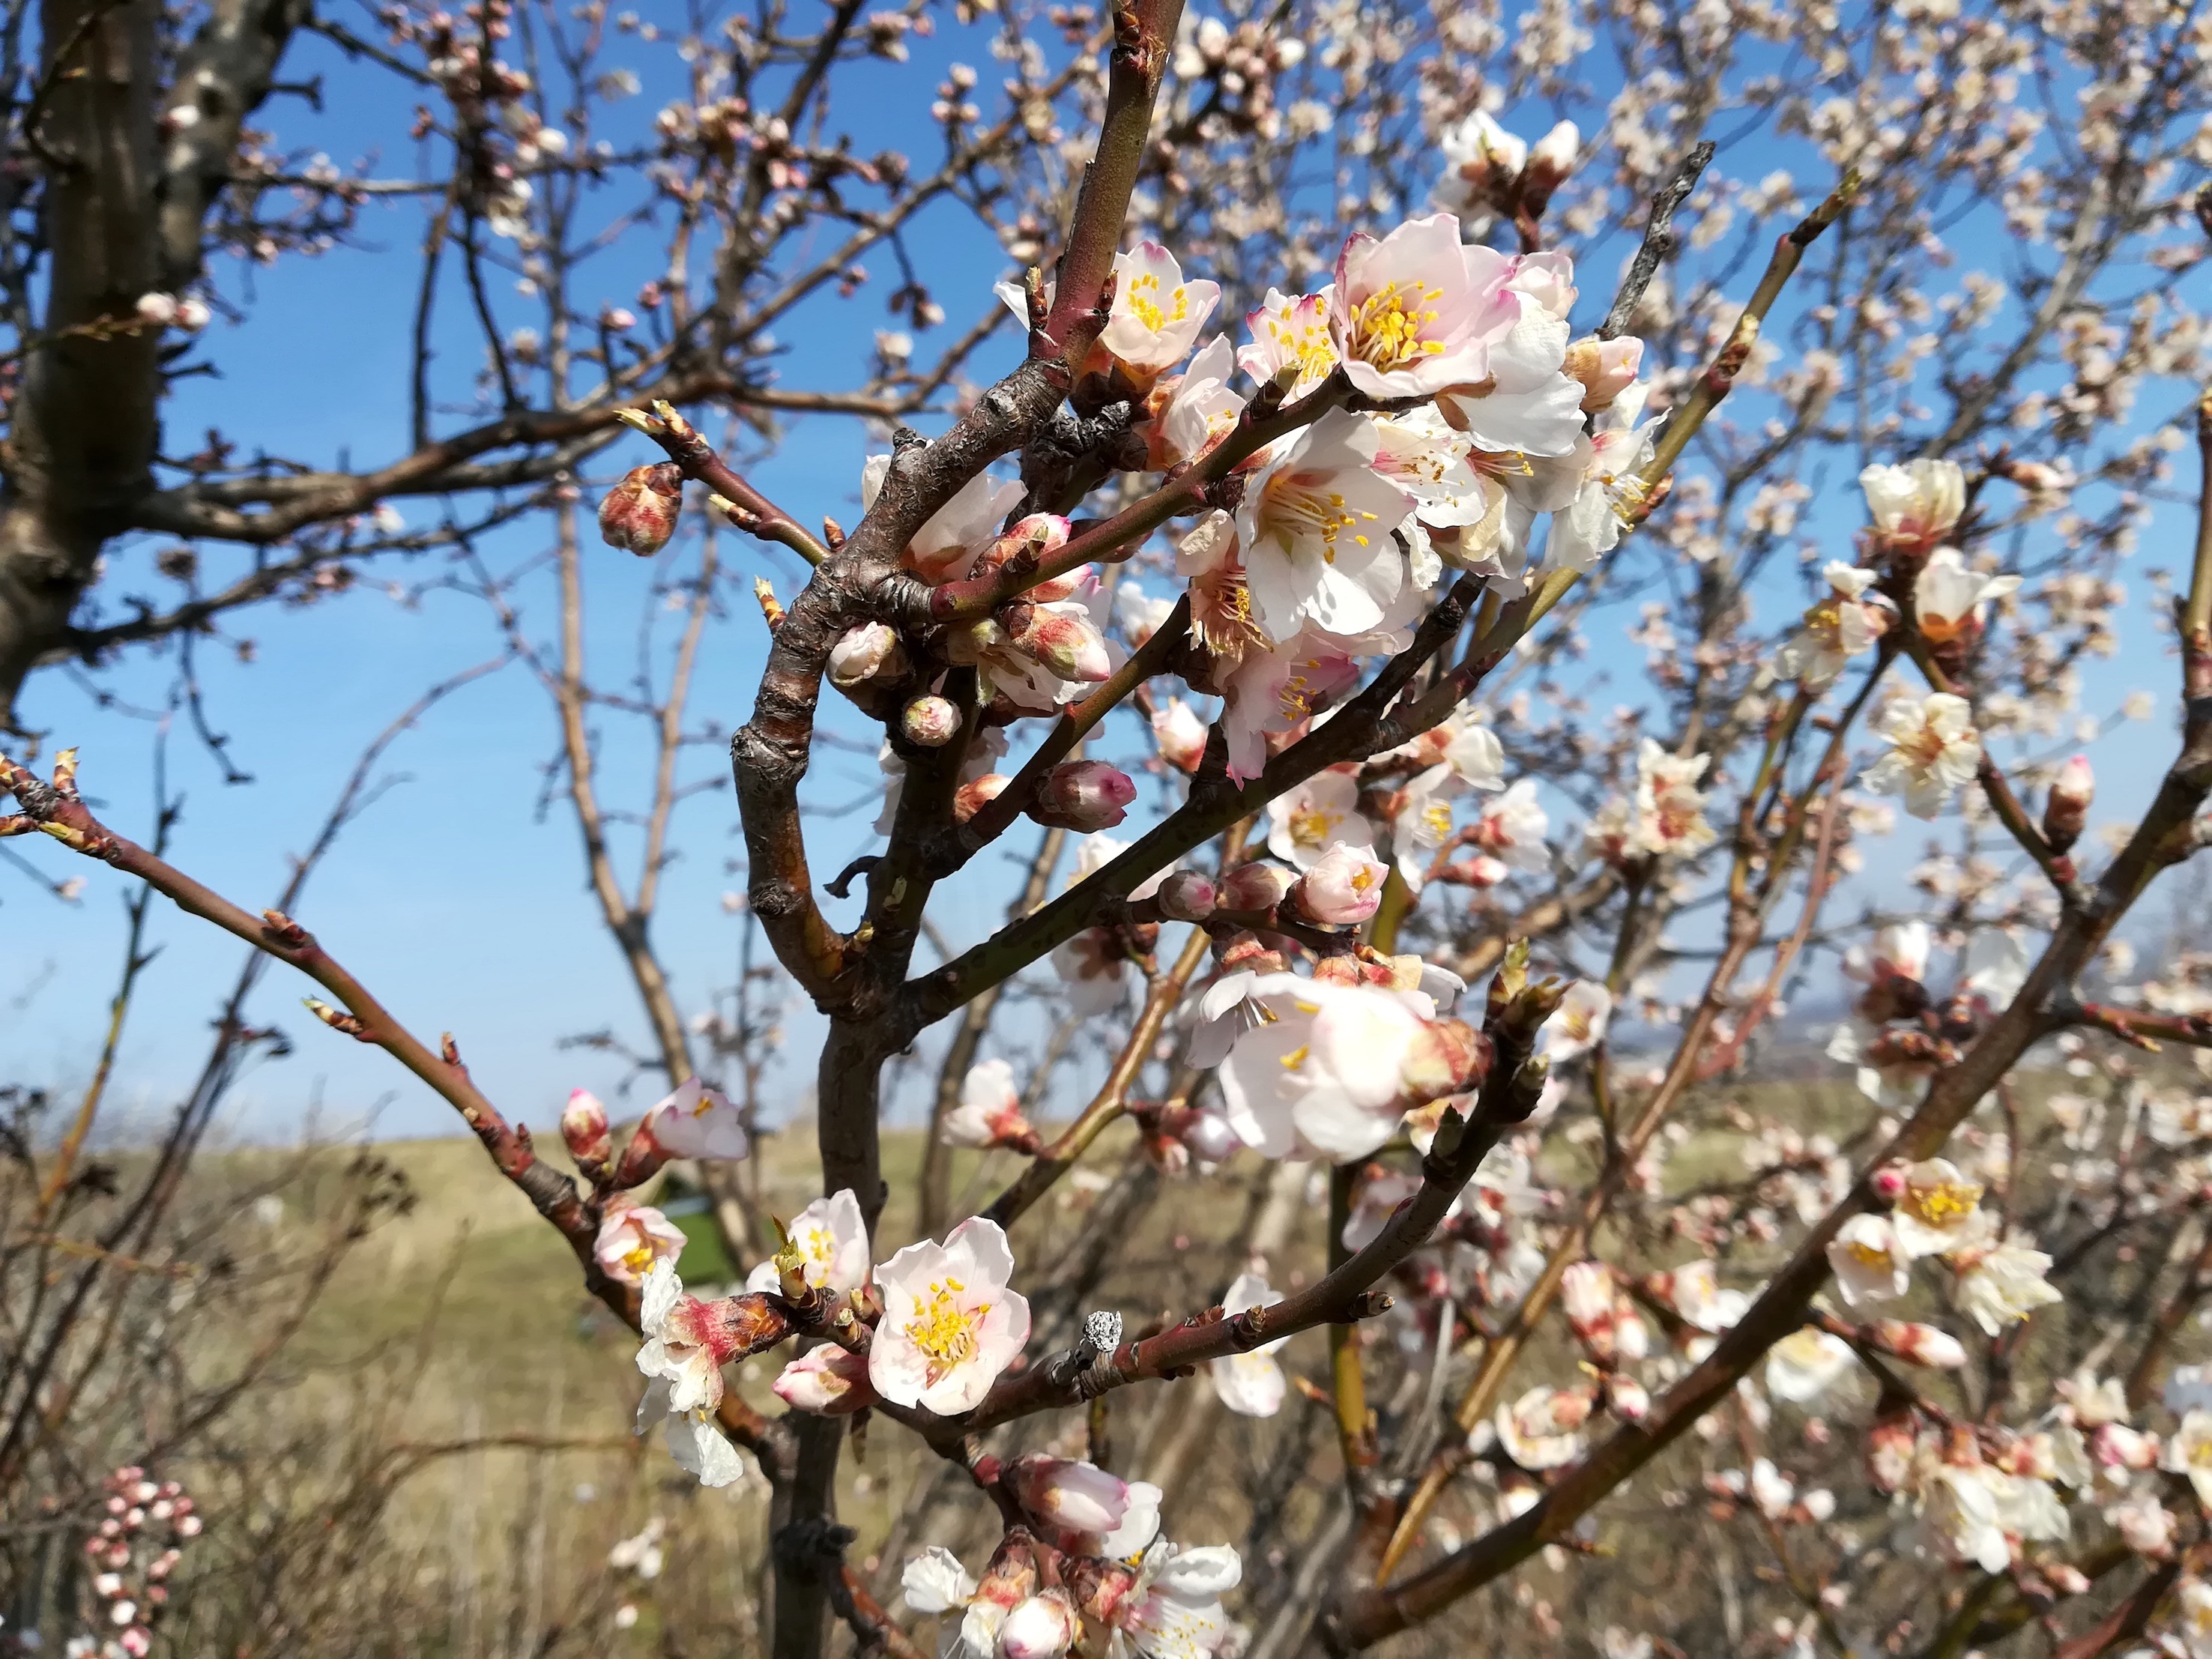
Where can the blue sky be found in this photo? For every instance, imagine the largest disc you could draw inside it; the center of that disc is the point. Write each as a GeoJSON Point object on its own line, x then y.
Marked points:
{"type": "Point", "coordinates": [450, 899]}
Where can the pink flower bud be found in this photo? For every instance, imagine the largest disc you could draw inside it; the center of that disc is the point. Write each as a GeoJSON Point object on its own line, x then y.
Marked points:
{"type": "Point", "coordinates": [137, 1641]}
{"type": "Point", "coordinates": [584, 1127]}
{"type": "Point", "coordinates": [1889, 1182]}
{"type": "Point", "coordinates": [1625, 1398]}
{"type": "Point", "coordinates": [1606, 367]}
{"type": "Point", "coordinates": [864, 653]}
{"type": "Point", "coordinates": [1074, 1496]}
{"type": "Point", "coordinates": [1920, 1345]}
{"type": "Point", "coordinates": [1344, 887]}
{"type": "Point", "coordinates": [1044, 1627]}
{"type": "Point", "coordinates": [1187, 895]}
{"type": "Point", "coordinates": [971, 798]}
{"type": "Point", "coordinates": [640, 512]}
{"type": "Point", "coordinates": [1253, 887]}
{"type": "Point", "coordinates": [930, 721]}
{"type": "Point", "coordinates": [642, 1158]}
{"type": "Point", "coordinates": [1181, 735]}
{"type": "Point", "coordinates": [2068, 809]}
{"type": "Point", "coordinates": [1064, 643]}
{"type": "Point", "coordinates": [1083, 795]}
{"type": "Point", "coordinates": [826, 1381]}
{"type": "Point", "coordinates": [159, 309]}
{"type": "Point", "coordinates": [2117, 1446]}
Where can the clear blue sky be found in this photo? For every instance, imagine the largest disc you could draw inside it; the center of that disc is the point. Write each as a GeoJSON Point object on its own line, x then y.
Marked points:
{"type": "Point", "coordinates": [450, 899]}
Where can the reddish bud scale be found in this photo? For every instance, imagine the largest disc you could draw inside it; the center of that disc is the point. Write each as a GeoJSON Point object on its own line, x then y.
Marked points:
{"type": "Point", "coordinates": [640, 512]}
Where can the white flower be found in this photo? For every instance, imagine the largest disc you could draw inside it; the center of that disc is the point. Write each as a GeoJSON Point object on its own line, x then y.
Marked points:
{"type": "Point", "coordinates": [697, 1122]}
{"type": "Point", "coordinates": [1250, 1383]}
{"type": "Point", "coordinates": [2000, 1281]}
{"type": "Point", "coordinates": [1314, 528]}
{"type": "Point", "coordinates": [1698, 1297]}
{"type": "Point", "coordinates": [1511, 828]}
{"type": "Point", "coordinates": [832, 1239]}
{"type": "Point", "coordinates": [1914, 506]}
{"type": "Point", "coordinates": [1869, 1266]}
{"type": "Point", "coordinates": [1175, 1610]}
{"type": "Point", "coordinates": [1201, 408]}
{"type": "Point", "coordinates": [1948, 599]}
{"type": "Point", "coordinates": [1289, 331]}
{"type": "Point", "coordinates": [1932, 750]}
{"type": "Point", "coordinates": [1611, 492]}
{"type": "Point", "coordinates": [1317, 815]}
{"type": "Point", "coordinates": [1959, 1507]}
{"type": "Point", "coordinates": [1090, 966]}
{"type": "Point", "coordinates": [677, 1349]}
{"type": "Point", "coordinates": [989, 1112]}
{"type": "Point", "coordinates": [935, 1581]}
{"type": "Point", "coordinates": [1343, 887]}
{"type": "Point", "coordinates": [632, 1238]}
{"type": "Point", "coordinates": [1771, 1490]}
{"type": "Point", "coordinates": [1838, 628]}
{"type": "Point", "coordinates": [1156, 315]}
{"type": "Point", "coordinates": [1803, 1365]}
{"type": "Point", "coordinates": [684, 1379]}
{"type": "Point", "coordinates": [1935, 1212]}
{"type": "Point", "coordinates": [2189, 1451]}
{"type": "Point", "coordinates": [950, 1325]}
{"type": "Point", "coordinates": [1420, 454]}
{"type": "Point", "coordinates": [1414, 312]}
{"type": "Point", "coordinates": [1320, 1070]}
{"type": "Point", "coordinates": [1579, 1023]}
{"type": "Point", "coordinates": [1140, 1523]}
{"type": "Point", "coordinates": [1527, 405]}
{"type": "Point", "coordinates": [1421, 821]}
{"type": "Point", "coordinates": [1542, 1430]}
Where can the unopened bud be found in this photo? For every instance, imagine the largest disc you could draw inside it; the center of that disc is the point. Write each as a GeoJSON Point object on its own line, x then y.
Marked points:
{"type": "Point", "coordinates": [640, 512]}
{"type": "Point", "coordinates": [1044, 1626]}
{"type": "Point", "coordinates": [1254, 887]}
{"type": "Point", "coordinates": [1889, 1182]}
{"type": "Point", "coordinates": [971, 796]}
{"type": "Point", "coordinates": [584, 1127]}
{"type": "Point", "coordinates": [1084, 795]}
{"type": "Point", "coordinates": [1345, 886]}
{"type": "Point", "coordinates": [1065, 643]}
{"type": "Point", "coordinates": [930, 721]}
{"type": "Point", "coordinates": [1919, 1344]}
{"type": "Point", "coordinates": [1210, 1138]}
{"type": "Point", "coordinates": [1187, 895]}
{"type": "Point", "coordinates": [642, 1159]}
{"type": "Point", "coordinates": [1625, 1398]}
{"type": "Point", "coordinates": [1606, 368]}
{"type": "Point", "coordinates": [2117, 1446]}
{"type": "Point", "coordinates": [1076, 1496]}
{"type": "Point", "coordinates": [337, 1019]}
{"type": "Point", "coordinates": [869, 651]}
{"type": "Point", "coordinates": [2066, 812]}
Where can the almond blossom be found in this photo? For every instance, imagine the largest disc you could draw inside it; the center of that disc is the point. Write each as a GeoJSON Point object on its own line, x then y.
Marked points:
{"type": "Point", "coordinates": [1914, 506]}
{"type": "Point", "coordinates": [1936, 1211]}
{"type": "Point", "coordinates": [1838, 628]}
{"type": "Point", "coordinates": [1174, 1611]}
{"type": "Point", "coordinates": [1321, 1069]}
{"type": "Point", "coordinates": [826, 1380]}
{"type": "Point", "coordinates": [1291, 332]}
{"type": "Point", "coordinates": [1511, 828]}
{"type": "Point", "coordinates": [1868, 1264]}
{"type": "Point", "coordinates": [2001, 1280]}
{"type": "Point", "coordinates": [684, 1379]}
{"type": "Point", "coordinates": [632, 1238]}
{"type": "Point", "coordinates": [1313, 816]}
{"type": "Point", "coordinates": [1610, 495]}
{"type": "Point", "coordinates": [1275, 692]}
{"type": "Point", "coordinates": [697, 1122]}
{"type": "Point", "coordinates": [946, 545]}
{"type": "Point", "coordinates": [831, 1238]}
{"type": "Point", "coordinates": [1578, 1024]}
{"type": "Point", "coordinates": [1249, 1383]}
{"type": "Point", "coordinates": [1934, 750]}
{"type": "Point", "coordinates": [1343, 887]}
{"type": "Point", "coordinates": [1414, 312]}
{"type": "Point", "coordinates": [989, 1111]}
{"type": "Point", "coordinates": [1950, 601]}
{"type": "Point", "coordinates": [1156, 315]}
{"type": "Point", "coordinates": [1314, 528]}
{"type": "Point", "coordinates": [950, 1325]}
{"type": "Point", "coordinates": [1421, 822]}
{"type": "Point", "coordinates": [1804, 1364]}
{"type": "Point", "coordinates": [1201, 408]}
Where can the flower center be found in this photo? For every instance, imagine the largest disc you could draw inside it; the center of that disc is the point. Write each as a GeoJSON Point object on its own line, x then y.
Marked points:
{"type": "Point", "coordinates": [1945, 1202]}
{"type": "Point", "coordinates": [1387, 326]}
{"type": "Point", "coordinates": [1869, 1255]}
{"type": "Point", "coordinates": [1145, 303]}
{"type": "Point", "coordinates": [1297, 507]}
{"type": "Point", "coordinates": [639, 1257]}
{"type": "Point", "coordinates": [1311, 828]}
{"type": "Point", "coordinates": [943, 1330]}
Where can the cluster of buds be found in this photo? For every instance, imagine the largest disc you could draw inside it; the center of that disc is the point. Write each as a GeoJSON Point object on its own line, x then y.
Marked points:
{"type": "Point", "coordinates": [1493, 171]}
{"type": "Point", "coordinates": [695, 1121]}
{"type": "Point", "coordinates": [133, 1551]}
